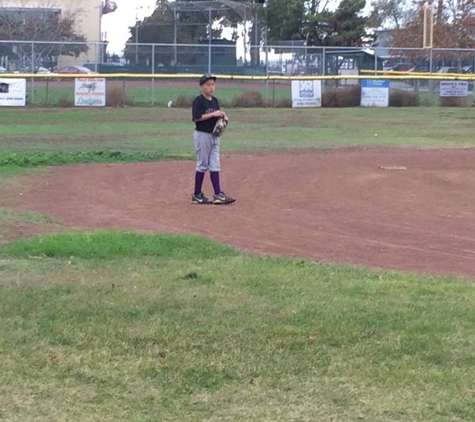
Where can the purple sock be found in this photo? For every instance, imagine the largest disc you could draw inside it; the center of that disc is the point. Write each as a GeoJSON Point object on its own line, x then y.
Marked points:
{"type": "Point", "coordinates": [215, 181]}
{"type": "Point", "coordinates": [199, 177]}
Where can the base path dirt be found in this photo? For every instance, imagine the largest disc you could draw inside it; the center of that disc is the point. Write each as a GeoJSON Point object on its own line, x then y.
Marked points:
{"type": "Point", "coordinates": [398, 209]}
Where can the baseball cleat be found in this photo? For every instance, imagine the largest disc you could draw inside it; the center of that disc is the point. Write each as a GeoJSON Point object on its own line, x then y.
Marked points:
{"type": "Point", "coordinates": [200, 199]}
{"type": "Point", "coordinates": [222, 198]}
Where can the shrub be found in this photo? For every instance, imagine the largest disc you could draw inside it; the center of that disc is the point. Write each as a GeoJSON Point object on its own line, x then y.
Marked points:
{"type": "Point", "coordinates": [248, 99]}
{"type": "Point", "coordinates": [116, 97]}
{"type": "Point", "coordinates": [65, 102]}
{"type": "Point", "coordinates": [400, 98]}
{"type": "Point", "coordinates": [455, 101]}
{"type": "Point", "coordinates": [342, 97]}
{"type": "Point", "coordinates": [183, 101]}
{"type": "Point", "coordinates": [281, 103]}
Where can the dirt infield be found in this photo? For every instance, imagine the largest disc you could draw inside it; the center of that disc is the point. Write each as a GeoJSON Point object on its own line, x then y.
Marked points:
{"type": "Point", "coordinates": [397, 209]}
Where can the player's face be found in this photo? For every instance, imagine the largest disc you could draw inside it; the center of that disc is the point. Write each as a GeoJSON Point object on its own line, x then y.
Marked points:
{"type": "Point", "coordinates": [208, 88]}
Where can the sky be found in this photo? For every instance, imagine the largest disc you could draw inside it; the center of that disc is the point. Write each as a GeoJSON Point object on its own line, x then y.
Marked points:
{"type": "Point", "coordinates": [115, 26]}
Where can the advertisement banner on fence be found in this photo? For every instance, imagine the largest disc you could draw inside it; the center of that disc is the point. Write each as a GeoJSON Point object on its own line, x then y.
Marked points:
{"type": "Point", "coordinates": [306, 93]}
{"type": "Point", "coordinates": [374, 93]}
{"type": "Point", "coordinates": [12, 92]}
{"type": "Point", "coordinates": [453, 88]}
{"type": "Point", "coordinates": [90, 92]}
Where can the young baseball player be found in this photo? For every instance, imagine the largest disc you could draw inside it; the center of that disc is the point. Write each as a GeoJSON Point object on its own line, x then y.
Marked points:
{"type": "Point", "coordinates": [205, 112]}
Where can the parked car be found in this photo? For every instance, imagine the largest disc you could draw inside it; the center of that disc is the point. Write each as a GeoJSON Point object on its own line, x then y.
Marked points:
{"type": "Point", "coordinates": [42, 70]}
{"type": "Point", "coordinates": [399, 67]}
{"type": "Point", "coordinates": [3, 70]}
{"type": "Point", "coordinates": [419, 69]}
{"type": "Point", "coordinates": [75, 70]}
{"type": "Point", "coordinates": [467, 69]}
{"type": "Point", "coordinates": [447, 69]}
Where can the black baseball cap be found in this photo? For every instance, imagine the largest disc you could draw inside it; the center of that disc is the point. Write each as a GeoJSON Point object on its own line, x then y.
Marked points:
{"type": "Point", "coordinates": [206, 77]}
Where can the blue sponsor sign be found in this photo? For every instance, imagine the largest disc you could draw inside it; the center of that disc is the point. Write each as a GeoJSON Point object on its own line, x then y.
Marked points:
{"type": "Point", "coordinates": [375, 93]}
{"type": "Point", "coordinates": [375, 83]}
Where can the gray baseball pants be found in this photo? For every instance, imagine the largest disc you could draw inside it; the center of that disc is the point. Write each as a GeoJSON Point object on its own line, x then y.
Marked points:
{"type": "Point", "coordinates": [207, 151]}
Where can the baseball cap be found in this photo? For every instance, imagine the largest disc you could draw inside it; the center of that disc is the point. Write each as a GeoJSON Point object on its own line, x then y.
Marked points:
{"type": "Point", "coordinates": [206, 77]}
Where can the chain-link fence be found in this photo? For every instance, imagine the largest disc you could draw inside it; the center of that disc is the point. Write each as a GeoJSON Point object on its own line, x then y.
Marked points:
{"type": "Point", "coordinates": [226, 57]}
{"type": "Point", "coordinates": [145, 71]}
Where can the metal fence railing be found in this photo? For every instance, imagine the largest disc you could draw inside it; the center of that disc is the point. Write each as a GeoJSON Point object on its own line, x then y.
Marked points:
{"type": "Point", "coordinates": [225, 57]}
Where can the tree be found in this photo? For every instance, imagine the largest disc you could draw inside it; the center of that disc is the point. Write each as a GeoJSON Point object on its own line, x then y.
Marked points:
{"type": "Point", "coordinates": [166, 27]}
{"type": "Point", "coordinates": [345, 27]}
{"type": "Point", "coordinates": [40, 24]}
{"type": "Point", "coordinates": [316, 23]}
{"type": "Point", "coordinates": [286, 20]}
{"type": "Point", "coordinates": [454, 28]}
{"type": "Point", "coordinates": [388, 14]}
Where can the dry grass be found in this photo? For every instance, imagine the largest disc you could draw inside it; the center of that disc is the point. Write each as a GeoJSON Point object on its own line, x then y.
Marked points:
{"type": "Point", "coordinates": [456, 101]}
{"type": "Point", "coordinates": [248, 99]}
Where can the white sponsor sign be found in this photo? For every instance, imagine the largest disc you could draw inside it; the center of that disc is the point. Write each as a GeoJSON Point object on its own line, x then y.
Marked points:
{"type": "Point", "coordinates": [90, 92]}
{"type": "Point", "coordinates": [453, 88]}
{"type": "Point", "coordinates": [374, 93]}
{"type": "Point", "coordinates": [12, 92]}
{"type": "Point", "coordinates": [306, 93]}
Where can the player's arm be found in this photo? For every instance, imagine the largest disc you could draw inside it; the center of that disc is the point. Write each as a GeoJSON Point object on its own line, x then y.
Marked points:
{"type": "Point", "coordinates": [216, 113]}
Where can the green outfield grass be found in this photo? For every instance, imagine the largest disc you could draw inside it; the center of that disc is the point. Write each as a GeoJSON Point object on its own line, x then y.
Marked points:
{"type": "Point", "coordinates": [114, 327]}
{"type": "Point", "coordinates": [126, 327]}
{"type": "Point", "coordinates": [157, 95]}
{"type": "Point", "coordinates": [167, 132]}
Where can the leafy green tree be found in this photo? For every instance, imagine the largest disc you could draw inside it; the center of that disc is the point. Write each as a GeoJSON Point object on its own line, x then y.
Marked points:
{"type": "Point", "coordinates": [344, 27]}
{"type": "Point", "coordinates": [315, 23]}
{"type": "Point", "coordinates": [165, 26]}
{"type": "Point", "coordinates": [286, 20]}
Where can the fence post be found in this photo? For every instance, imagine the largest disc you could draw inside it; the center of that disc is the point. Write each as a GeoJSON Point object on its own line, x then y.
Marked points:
{"type": "Point", "coordinates": [267, 66]}
{"type": "Point", "coordinates": [209, 43]}
{"type": "Point", "coordinates": [153, 73]}
{"type": "Point", "coordinates": [32, 71]}
{"type": "Point", "coordinates": [323, 68]}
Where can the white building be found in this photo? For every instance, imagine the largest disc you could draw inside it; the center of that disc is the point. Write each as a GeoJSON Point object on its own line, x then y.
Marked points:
{"type": "Point", "coordinates": [87, 16]}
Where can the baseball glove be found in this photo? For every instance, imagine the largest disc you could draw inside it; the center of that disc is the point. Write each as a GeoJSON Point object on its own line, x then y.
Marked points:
{"type": "Point", "coordinates": [220, 125]}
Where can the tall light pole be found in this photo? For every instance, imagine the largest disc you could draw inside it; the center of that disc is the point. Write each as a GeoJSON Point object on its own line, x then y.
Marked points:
{"type": "Point", "coordinates": [428, 35]}
{"type": "Point", "coordinates": [137, 29]}
{"type": "Point", "coordinates": [428, 27]}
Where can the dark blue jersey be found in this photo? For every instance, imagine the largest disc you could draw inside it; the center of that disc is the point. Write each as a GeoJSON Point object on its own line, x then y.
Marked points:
{"type": "Point", "coordinates": [202, 105]}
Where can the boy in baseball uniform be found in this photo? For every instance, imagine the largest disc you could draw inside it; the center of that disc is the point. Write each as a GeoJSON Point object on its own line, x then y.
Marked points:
{"type": "Point", "coordinates": [205, 113]}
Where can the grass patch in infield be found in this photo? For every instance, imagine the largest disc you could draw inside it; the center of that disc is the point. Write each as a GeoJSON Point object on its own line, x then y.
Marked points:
{"type": "Point", "coordinates": [9, 215]}
{"type": "Point", "coordinates": [18, 223]}
{"type": "Point", "coordinates": [121, 326]}
{"type": "Point", "coordinates": [59, 158]}
{"type": "Point", "coordinates": [6, 173]}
